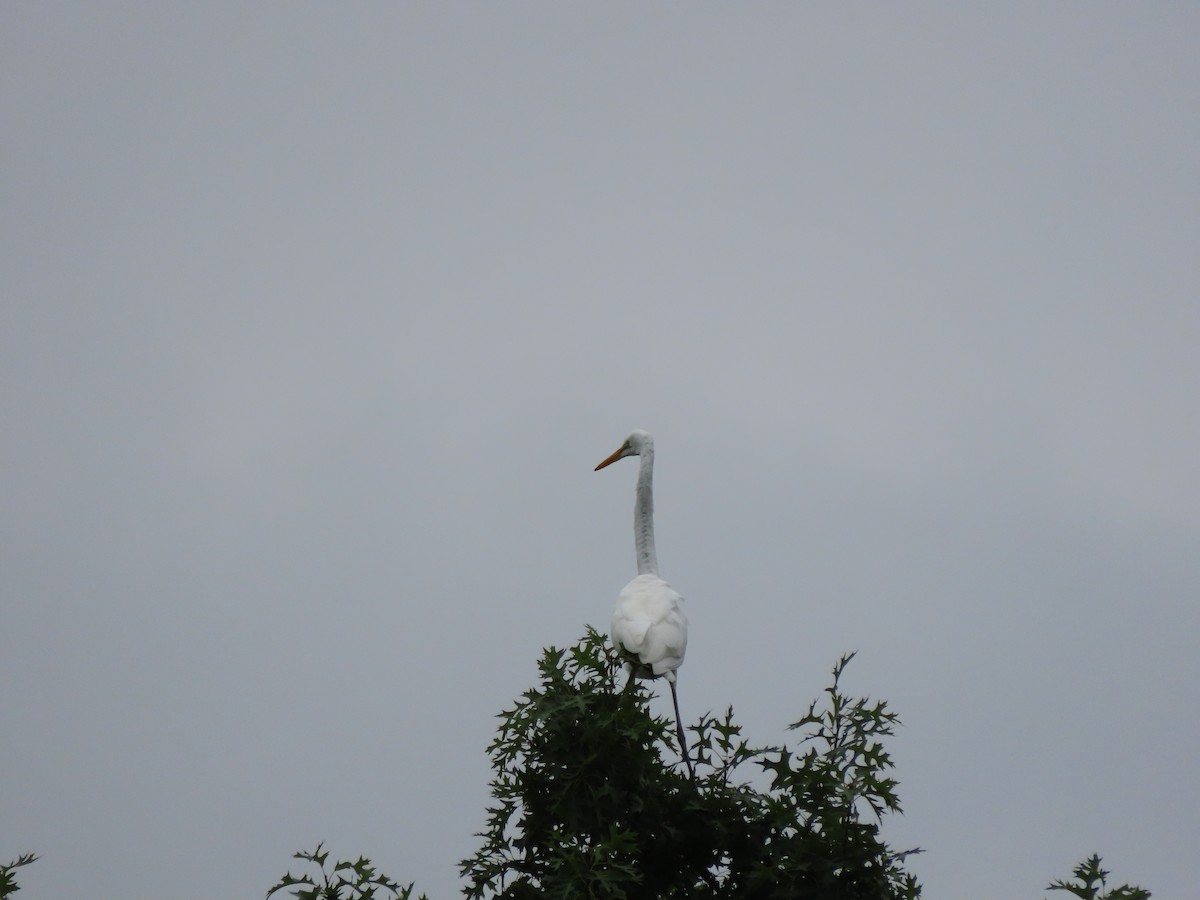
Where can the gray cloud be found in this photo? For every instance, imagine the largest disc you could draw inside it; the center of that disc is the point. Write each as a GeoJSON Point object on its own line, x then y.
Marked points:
{"type": "Point", "coordinates": [315, 325]}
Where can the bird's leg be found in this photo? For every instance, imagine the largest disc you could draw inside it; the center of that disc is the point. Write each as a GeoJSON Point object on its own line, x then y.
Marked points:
{"type": "Point", "coordinates": [679, 731]}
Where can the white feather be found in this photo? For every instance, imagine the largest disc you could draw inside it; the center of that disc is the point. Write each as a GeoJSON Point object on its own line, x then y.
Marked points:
{"type": "Point", "coordinates": [649, 623]}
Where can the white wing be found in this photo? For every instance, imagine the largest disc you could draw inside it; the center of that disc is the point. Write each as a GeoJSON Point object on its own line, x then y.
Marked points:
{"type": "Point", "coordinates": [649, 623]}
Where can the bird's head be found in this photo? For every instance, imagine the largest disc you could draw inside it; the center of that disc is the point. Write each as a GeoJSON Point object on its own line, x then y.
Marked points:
{"type": "Point", "coordinates": [635, 445]}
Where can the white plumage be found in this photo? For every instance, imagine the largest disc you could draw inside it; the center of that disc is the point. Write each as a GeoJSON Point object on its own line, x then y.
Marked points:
{"type": "Point", "coordinates": [648, 624]}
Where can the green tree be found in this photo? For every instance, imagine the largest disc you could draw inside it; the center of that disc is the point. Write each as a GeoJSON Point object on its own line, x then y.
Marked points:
{"type": "Point", "coordinates": [8, 881]}
{"type": "Point", "coordinates": [592, 801]}
{"type": "Point", "coordinates": [1091, 880]}
{"type": "Point", "coordinates": [345, 880]}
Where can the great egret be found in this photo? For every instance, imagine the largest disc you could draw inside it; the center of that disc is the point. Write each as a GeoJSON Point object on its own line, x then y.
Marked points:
{"type": "Point", "coordinates": [648, 624]}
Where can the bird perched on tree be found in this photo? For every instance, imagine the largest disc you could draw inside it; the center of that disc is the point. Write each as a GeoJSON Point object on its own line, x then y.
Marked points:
{"type": "Point", "coordinates": [648, 624]}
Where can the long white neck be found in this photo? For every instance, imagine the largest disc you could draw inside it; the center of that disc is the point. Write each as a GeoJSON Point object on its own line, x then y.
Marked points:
{"type": "Point", "coordinates": [643, 515]}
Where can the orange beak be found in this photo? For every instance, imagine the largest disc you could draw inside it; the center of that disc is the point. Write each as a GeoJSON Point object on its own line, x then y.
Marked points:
{"type": "Point", "coordinates": [612, 459]}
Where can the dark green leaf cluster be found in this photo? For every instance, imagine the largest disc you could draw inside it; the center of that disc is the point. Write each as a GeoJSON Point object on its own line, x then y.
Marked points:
{"type": "Point", "coordinates": [357, 880]}
{"type": "Point", "coordinates": [1091, 881]}
{"type": "Point", "coordinates": [591, 800]}
{"type": "Point", "coordinates": [8, 880]}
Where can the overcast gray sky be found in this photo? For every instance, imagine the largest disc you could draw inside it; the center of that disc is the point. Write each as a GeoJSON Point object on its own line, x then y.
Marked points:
{"type": "Point", "coordinates": [317, 317]}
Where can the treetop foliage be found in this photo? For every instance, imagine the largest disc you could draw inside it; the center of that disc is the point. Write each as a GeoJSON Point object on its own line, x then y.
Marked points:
{"type": "Point", "coordinates": [346, 880]}
{"type": "Point", "coordinates": [8, 880]}
{"type": "Point", "coordinates": [1092, 879]}
{"type": "Point", "coordinates": [592, 801]}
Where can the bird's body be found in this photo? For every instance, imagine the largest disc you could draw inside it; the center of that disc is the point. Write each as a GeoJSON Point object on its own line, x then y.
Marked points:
{"type": "Point", "coordinates": [648, 625]}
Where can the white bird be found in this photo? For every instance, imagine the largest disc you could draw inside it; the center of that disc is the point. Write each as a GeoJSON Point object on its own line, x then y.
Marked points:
{"type": "Point", "coordinates": [648, 624]}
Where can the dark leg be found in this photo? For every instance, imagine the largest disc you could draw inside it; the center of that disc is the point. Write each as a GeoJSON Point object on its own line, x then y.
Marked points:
{"type": "Point", "coordinates": [679, 731]}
